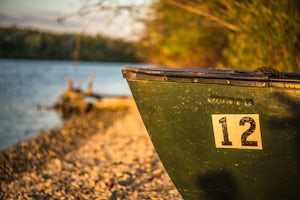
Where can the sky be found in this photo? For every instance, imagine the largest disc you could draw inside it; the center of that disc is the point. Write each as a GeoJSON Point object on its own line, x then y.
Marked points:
{"type": "Point", "coordinates": [43, 14]}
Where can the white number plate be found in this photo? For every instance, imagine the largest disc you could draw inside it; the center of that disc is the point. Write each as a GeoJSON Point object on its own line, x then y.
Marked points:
{"type": "Point", "coordinates": [240, 131]}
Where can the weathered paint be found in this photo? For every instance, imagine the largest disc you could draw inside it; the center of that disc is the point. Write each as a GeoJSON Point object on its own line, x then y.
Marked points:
{"type": "Point", "coordinates": [178, 117]}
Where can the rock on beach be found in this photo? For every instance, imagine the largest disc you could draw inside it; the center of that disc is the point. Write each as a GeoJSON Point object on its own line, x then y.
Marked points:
{"type": "Point", "coordinates": [103, 154]}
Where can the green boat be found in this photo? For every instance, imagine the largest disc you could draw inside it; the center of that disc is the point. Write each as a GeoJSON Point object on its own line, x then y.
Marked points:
{"type": "Point", "coordinates": [223, 134]}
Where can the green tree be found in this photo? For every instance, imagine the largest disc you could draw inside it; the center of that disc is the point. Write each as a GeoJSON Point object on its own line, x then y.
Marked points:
{"type": "Point", "coordinates": [269, 35]}
{"type": "Point", "coordinates": [230, 33]}
{"type": "Point", "coordinates": [177, 38]}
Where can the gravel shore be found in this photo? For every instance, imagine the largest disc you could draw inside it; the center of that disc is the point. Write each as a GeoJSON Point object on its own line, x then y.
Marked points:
{"type": "Point", "coordinates": [104, 154]}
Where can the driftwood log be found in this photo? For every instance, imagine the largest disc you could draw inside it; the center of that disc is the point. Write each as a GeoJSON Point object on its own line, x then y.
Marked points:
{"type": "Point", "coordinates": [75, 100]}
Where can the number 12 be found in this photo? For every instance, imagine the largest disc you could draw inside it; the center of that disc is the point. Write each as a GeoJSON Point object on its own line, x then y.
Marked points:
{"type": "Point", "coordinates": [237, 131]}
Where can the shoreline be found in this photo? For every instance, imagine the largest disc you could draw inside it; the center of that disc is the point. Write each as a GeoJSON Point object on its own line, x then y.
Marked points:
{"type": "Point", "coordinates": [103, 154]}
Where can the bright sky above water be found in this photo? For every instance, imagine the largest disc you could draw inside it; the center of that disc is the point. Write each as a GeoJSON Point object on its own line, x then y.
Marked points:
{"type": "Point", "coordinates": [43, 15]}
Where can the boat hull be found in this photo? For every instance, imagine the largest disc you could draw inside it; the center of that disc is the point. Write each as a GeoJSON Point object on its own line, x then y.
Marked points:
{"type": "Point", "coordinates": [220, 141]}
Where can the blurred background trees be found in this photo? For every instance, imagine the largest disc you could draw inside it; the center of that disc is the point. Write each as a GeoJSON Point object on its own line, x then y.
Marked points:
{"type": "Point", "coordinates": [33, 44]}
{"type": "Point", "coordinates": [269, 35]}
{"type": "Point", "coordinates": [238, 34]}
{"type": "Point", "coordinates": [177, 38]}
{"type": "Point", "coordinates": [226, 33]}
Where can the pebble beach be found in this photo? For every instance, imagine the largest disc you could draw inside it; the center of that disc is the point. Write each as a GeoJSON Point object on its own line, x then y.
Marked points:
{"type": "Point", "coordinates": [102, 154]}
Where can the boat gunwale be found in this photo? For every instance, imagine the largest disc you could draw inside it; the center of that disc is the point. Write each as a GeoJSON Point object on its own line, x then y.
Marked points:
{"type": "Point", "coordinates": [212, 76]}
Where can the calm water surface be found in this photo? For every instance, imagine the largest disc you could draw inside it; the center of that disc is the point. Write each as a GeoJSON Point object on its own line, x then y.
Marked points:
{"type": "Point", "coordinates": [27, 84]}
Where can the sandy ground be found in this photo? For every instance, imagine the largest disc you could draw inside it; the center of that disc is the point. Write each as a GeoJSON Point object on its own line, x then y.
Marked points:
{"type": "Point", "coordinates": [105, 154]}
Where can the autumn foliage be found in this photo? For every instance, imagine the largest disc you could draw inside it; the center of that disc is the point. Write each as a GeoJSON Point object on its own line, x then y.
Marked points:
{"type": "Point", "coordinates": [233, 34]}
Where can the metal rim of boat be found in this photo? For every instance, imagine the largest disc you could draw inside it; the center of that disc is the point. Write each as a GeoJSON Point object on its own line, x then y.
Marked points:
{"type": "Point", "coordinates": [213, 76]}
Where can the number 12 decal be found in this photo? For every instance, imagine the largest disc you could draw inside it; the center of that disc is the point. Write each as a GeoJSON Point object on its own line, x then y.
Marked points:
{"type": "Point", "coordinates": [241, 131]}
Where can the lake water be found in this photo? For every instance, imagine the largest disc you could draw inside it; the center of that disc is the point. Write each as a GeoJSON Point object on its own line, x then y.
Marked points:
{"type": "Point", "coordinates": [27, 84]}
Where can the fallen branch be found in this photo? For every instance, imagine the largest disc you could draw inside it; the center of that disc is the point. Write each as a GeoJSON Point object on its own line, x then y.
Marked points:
{"type": "Point", "coordinates": [76, 100]}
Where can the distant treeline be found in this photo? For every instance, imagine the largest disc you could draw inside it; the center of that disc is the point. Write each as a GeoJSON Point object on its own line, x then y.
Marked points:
{"type": "Point", "coordinates": [32, 44]}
